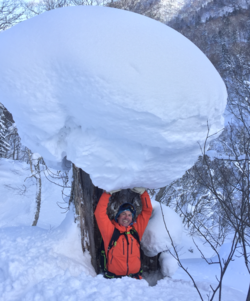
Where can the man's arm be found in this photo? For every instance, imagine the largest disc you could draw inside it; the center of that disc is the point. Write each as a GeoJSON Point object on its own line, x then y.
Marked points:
{"type": "Point", "coordinates": [104, 224]}
{"type": "Point", "coordinates": [143, 218]}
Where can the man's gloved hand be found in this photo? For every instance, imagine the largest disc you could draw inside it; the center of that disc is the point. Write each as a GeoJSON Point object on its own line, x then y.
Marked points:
{"type": "Point", "coordinates": [113, 191]}
{"type": "Point", "coordinates": [139, 190]}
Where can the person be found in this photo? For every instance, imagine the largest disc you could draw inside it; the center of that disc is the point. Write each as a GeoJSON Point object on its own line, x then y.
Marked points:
{"type": "Point", "coordinates": [124, 256]}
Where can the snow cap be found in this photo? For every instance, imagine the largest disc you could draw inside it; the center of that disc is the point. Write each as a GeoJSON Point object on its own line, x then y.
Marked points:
{"type": "Point", "coordinates": [124, 97]}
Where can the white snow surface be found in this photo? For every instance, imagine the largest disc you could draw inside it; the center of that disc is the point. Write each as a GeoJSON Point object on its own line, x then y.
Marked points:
{"type": "Point", "coordinates": [155, 242]}
{"type": "Point", "coordinates": [48, 264]}
{"type": "Point", "coordinates": [123, 96]}
{"type": "Point", "coordinates": [18, 195]}
{"type": "Point", "coordinates": [168, 264]}
{"type": "Point", "coordinates": [236, 276]}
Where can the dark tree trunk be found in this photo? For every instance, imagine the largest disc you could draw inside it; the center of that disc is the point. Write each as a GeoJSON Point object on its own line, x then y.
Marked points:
{"type": "Point", "coordinates": [85, 197]}
{"type": "Point", "coordinates": [248, 295]}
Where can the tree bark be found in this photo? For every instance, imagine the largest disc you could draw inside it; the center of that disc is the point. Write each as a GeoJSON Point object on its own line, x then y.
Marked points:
{"type": "Point", "coordinates": [38, 192]}
{"type": "Point", "coordinates": [248, 295]}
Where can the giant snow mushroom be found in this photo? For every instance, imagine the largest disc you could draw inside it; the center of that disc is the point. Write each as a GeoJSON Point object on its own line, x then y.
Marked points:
{"type": "Point", "coordinates": [124, 97]}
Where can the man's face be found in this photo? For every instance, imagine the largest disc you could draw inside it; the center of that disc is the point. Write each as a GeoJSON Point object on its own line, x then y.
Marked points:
{"type": "Point", "coordinates": [125, 218]}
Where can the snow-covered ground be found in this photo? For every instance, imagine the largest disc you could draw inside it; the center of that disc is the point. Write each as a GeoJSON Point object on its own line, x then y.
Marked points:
{"type": "Point", "coordinates": [18, 189]}
{"type": "Point", "coordinates": [126, 98]}
{"type": "Point", "coordinates": [46, 263]}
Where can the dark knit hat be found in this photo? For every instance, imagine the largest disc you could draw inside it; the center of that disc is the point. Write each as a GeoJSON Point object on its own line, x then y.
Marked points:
{"type": "Point", "coordinates": [125, 207]}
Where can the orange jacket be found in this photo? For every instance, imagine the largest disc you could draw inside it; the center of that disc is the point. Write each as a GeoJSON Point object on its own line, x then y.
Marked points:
{"type": "Point", "coordinates": [123, 259]}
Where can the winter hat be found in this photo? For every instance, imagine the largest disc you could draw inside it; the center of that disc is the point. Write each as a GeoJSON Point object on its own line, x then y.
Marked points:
{"type": "Point", "coordinates": [125, 207]}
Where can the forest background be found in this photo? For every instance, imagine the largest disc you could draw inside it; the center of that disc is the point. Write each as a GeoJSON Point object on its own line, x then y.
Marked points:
{"type": "Point", "coordinates": [213, 196]}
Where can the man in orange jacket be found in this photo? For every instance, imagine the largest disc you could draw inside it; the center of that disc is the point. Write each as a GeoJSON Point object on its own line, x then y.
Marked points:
{"type": "Point", "coordinates": [123, 258]}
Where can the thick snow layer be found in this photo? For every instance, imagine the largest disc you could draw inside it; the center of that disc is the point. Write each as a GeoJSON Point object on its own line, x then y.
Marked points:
{"type": "Point", "coordinates": [43, 265]}
{"type": "Point", "coordinates": [155, 241]}
{"type": "Point", "coordinates": [34, 266]}
{"type": "Point", "coordinates": [30, 255]}
{"type": "Point", "coordinates": [48, 265]}
{"type": "Point", "coordinates": [125, 97]}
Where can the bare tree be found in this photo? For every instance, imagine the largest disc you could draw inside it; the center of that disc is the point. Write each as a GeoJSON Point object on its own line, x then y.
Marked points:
{"type": "Point", "coordinates": [90, 2]}
{"type": "Point", "coordinates": [215, 203]}
{"type": "Point", "coordinates": [147, 8]}
{"type": "Point", "coordinates": [11, 13]}
{"type": "Point", "coordinates": [34, 161]}
{"type": "Point", "coordinates": [214, 241]}
{"type": "Point", "coordinates": [33, 8]}
{"type": "Point", "coordinates": [4, 145]}
{"type": "Point", "coordinates": [14, 140]}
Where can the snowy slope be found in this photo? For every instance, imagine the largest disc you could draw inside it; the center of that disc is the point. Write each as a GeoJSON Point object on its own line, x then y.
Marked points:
{"type": "Point", "coordinates": [31, 257]}
{"type": "Point", "coordinates": [12, 199]}
{"type": "Point", "coordinates": [40, 265]}
{"type": "Point", "coordinates": [125, 97]}
{"type": "Point", "coordinates": [48, 264]}
{"type": "Point", "coordinates": [236, 277]}
{"type": "Point", "coordinates": [18, 197]}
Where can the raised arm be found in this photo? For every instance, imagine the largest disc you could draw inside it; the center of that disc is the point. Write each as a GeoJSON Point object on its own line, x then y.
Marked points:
{"type": "Point", "coordinates": [143, 218]}
{"type": "Point", "coordinates": [104, 224]}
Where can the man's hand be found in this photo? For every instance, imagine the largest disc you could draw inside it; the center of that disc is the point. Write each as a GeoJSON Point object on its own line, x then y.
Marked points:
{"type": "Point", "coordinates": [113, 191]}
{"type": "Point", "coordinates": [139, 190]}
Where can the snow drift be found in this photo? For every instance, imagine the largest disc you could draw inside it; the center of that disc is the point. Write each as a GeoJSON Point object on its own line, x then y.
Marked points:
{"type": "Point", "coordinates": [124, 97]}
{"type": "Point", "coordinates": [48, 264]}
{"type": "Point", "coordinates": [156, 241]}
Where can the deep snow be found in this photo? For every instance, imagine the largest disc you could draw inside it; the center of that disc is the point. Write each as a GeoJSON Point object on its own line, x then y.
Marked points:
{"type": "Point", "coordinates": [154, 242]}
{"type": "Point", "coordinates": [48, 264]}
{"type": "Point", "coordinates": [125, 97]}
